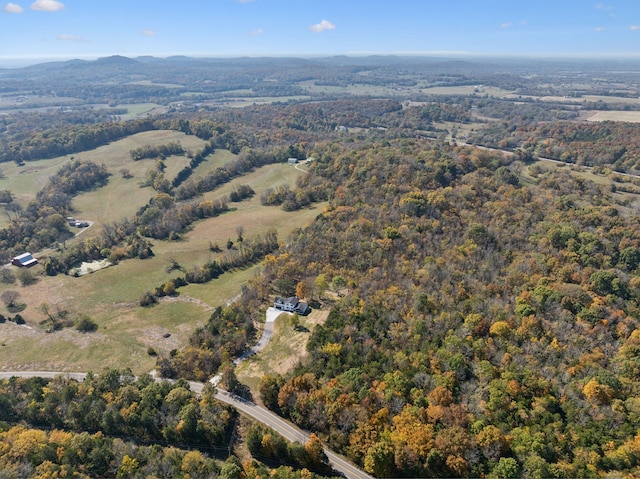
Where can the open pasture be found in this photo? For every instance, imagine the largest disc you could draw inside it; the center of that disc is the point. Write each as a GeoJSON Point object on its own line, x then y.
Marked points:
{"type": "Point", "coordinates": [354, 89]}
{"type": "Point", "coordinates": [466, 90]}
{"type": "Point", "coordinates": [111, 296]}
{"type": "Point", "coordinates": [615, 115]}
{"type": "Point", "coordinates": [104, 204]}
{"type": "Point", "coordinates": [212, 162]}
{"type": "Point", "coordinates": [125, 333]}
{"type": "Point", "coordinates": [138, 110]}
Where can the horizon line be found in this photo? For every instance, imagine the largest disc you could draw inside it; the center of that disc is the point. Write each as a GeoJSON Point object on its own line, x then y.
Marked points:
{"type": "Point", "coordinates": [29, 60]}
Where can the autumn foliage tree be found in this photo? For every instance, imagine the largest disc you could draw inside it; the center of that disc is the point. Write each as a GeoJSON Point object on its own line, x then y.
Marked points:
{"type": "Point", "coordinates": [488, 325]}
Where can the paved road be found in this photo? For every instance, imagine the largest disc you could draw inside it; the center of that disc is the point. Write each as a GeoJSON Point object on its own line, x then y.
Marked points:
{"type": "Point", "coordinates": [267, 334]}
{"type": "Point", "coordinates": [266, 417]}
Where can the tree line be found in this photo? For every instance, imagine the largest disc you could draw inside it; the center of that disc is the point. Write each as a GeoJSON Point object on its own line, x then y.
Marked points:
{"type": "Point", "coordinates": [43, 221]}
{"type": "Point", "coordinates": [114, 425]}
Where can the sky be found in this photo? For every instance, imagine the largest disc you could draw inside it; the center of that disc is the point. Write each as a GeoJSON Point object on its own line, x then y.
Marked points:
{"type": "Point", "coordinates": [88, 29]}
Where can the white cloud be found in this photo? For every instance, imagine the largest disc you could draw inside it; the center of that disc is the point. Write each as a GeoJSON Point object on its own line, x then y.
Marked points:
{"type": "Point", "coordinates": [506, 25]}
{"type": "Point", "coordinates": [245, 1]}
{"type": "Point", "coordinates": [322, 26]}
{"type": "Point", "coordinates": [634, 27]}
{"type": "Point", "coordinates": [599, 29]}
{"type": "Point", "coordinates": [70, 38]}
{"type": "Point", "coordinates": [148, 33]}
{"type": "Point", "coordinates": [13, 8]}
{"type": "Point", "coordinates": [254, 33]}
{"type": "Point", "coordinates": [47, 5]}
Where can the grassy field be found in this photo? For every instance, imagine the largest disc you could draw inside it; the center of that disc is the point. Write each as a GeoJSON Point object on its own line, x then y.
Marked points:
{"type": "Point", "coordinates": [467, 90]}
{"type": "Point", "coordinates": [462, 129]}
{"type": "Point", "coordinates": [242, 102]}
{"type": "Point", "coordinates": [137, 110]}
{"type": "Point", "coordinates": [111, 296]}
{"type": "Point", "coordinates": [615, 115]}
{"type": "Point", "coordinates": [287, 347]}
{"type": "Point", "coordinates": [615, 100]}
{"type": "Point", "coordinates": [103, 204]}
{"type": "Point", "coordinates": [211, 162]}
{"type": "Point", "coordinates": [355, 89]}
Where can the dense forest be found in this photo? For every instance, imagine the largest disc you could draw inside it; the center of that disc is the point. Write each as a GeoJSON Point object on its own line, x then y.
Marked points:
{"type": "Point", "coordinates": [608, 144]}
{"type": "Point", "coordinates": [114, 425]}
{"type": "Point", "coordinates": [488, 325]}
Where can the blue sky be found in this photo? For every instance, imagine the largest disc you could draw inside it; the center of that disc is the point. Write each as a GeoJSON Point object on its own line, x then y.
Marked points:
{"type": "Point", "coordinates": [44, 29]}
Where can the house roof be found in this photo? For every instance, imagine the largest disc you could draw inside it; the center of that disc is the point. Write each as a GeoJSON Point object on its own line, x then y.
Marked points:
{"type": "Point", "coordinates": [292, 300]}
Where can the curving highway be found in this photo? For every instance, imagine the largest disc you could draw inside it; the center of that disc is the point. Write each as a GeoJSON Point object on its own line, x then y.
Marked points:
{"type": "Point", "coordinates": [266, 417]}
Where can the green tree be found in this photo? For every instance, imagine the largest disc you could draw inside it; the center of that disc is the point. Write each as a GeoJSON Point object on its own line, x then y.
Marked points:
{"type": "Point", "coordinates": [270, 385]}
{"type": "Point", "coordinates": [295, 321]}
{"type": "Point", "coordinates": [379, 459]}
{"type": "Point", "coordinates": [321, 285]}
{"type": "Point", "coordinates": [228, 378]}
{"type": "Point", "coordinates": [338, 282]}
{"type": "Point", "coordinates": [629, 258]}
{"type": "Point", "coordinates": [26, 277]}
{"type": "Point", "coordinates": [608, 282]}
{"type": "Point", "coordinates": [85, 324]}
{"type": "Point", "coordinates": [7, 276]}
{"type": "Point", "coordinates": [231, 469]}
{"type": "Point", "coordinates": [148, 299]}
{"type": "Point", "coordinates": [507, 468]}
{"type": "Point", "coordinates": [535, 467]}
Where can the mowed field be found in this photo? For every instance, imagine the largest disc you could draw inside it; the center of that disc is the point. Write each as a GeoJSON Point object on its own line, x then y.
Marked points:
{"type": "Point", "coordinates": [354, 89]}
{"type": "Point", "coordinates": [111, 296]}
{"type": "Point", "coordinates": [121, 197]}
{"type": "Point", "coordinates": [615, 115]}
{"type": "Point", "coordinates": [467, 90]}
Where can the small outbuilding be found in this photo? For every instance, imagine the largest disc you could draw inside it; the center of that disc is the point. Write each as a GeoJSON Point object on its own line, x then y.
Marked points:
{"type": "Point", "coordinates": [24, 260]}
{"type": "Point", "coordinates": [292, 161]}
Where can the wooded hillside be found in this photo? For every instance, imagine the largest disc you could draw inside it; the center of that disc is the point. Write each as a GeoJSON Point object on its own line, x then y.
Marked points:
{"type": "Point", "coordinates": [487, 326]}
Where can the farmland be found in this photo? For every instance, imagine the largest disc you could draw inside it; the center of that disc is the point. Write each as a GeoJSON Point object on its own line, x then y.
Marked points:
{"type": "Point", "coordinates": [615, 115]}
{"type": "Point", "coordinates": [110, 296]}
